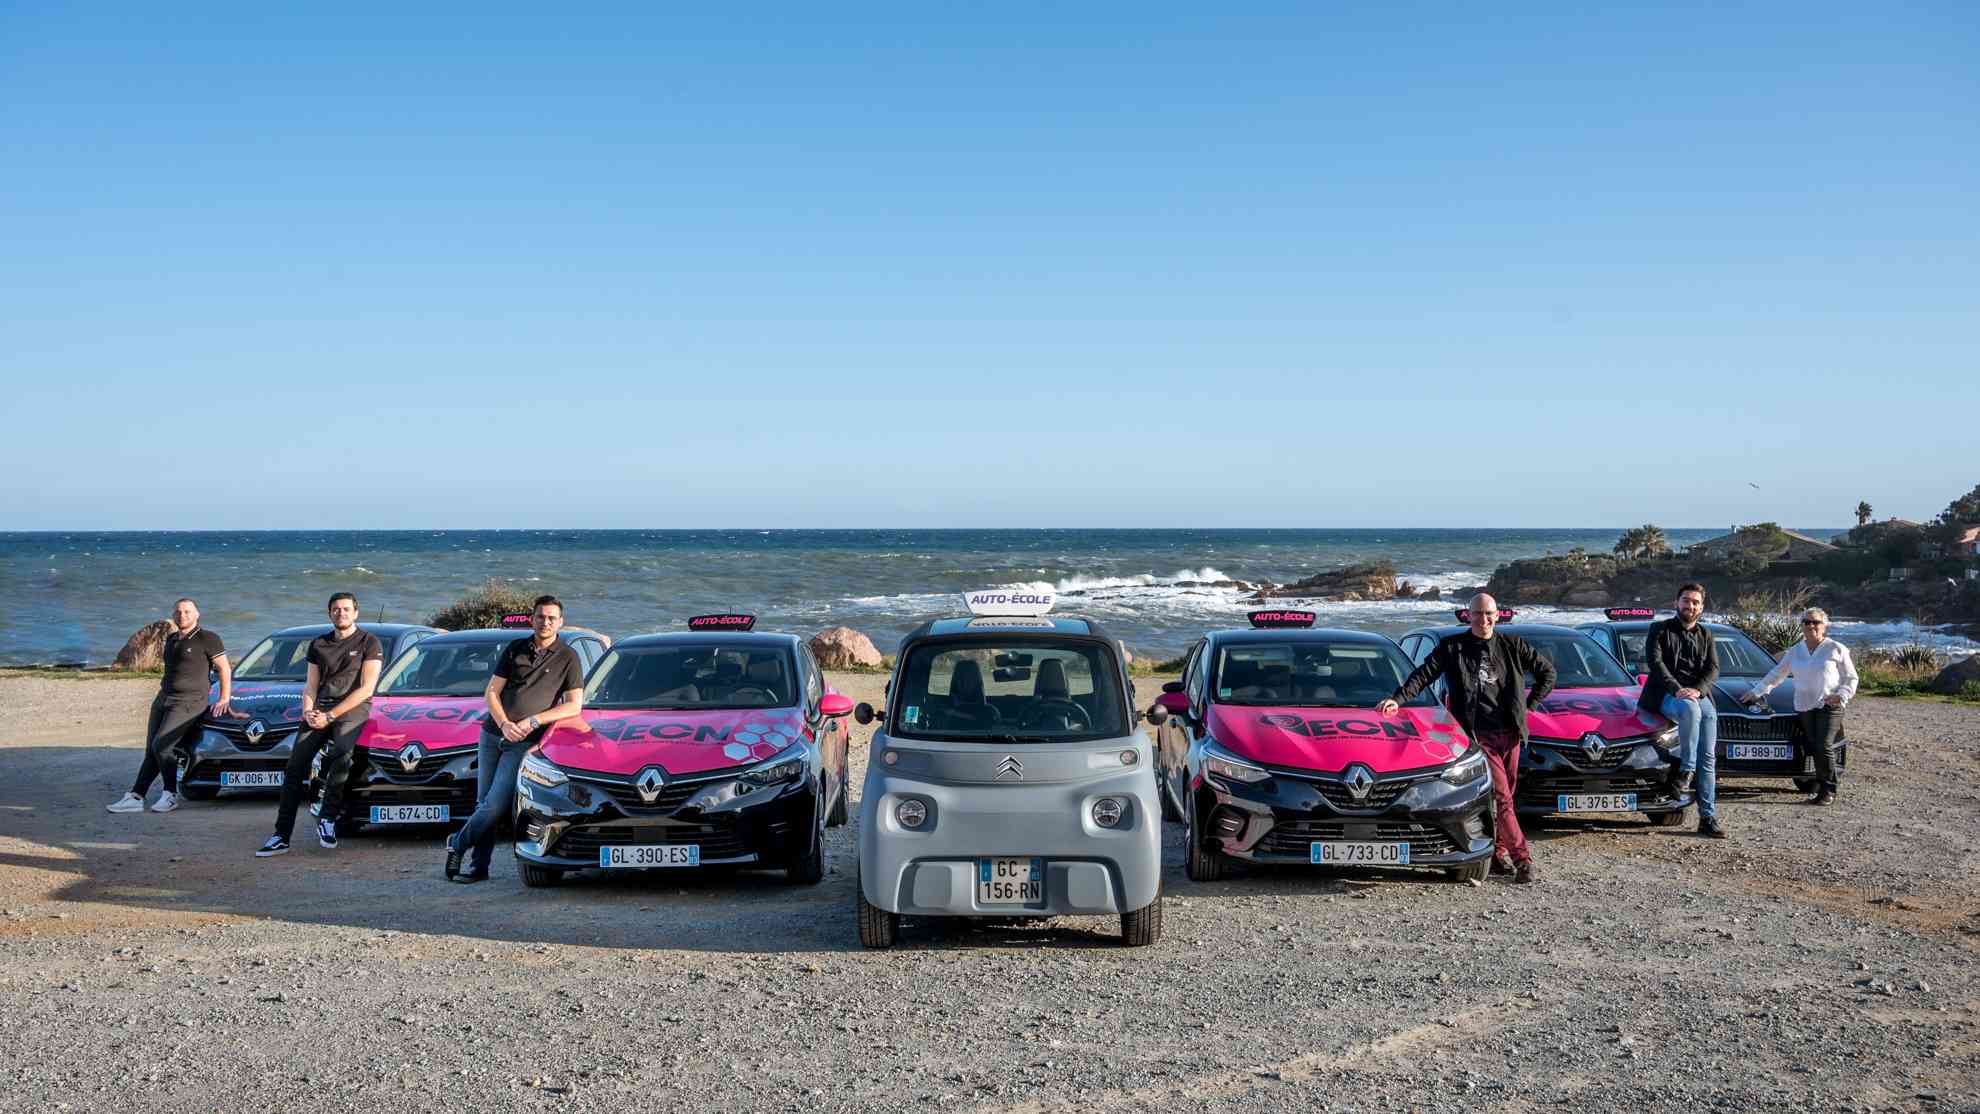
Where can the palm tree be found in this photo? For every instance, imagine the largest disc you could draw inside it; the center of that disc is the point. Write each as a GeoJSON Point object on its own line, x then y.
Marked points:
{"type": "Point", "coordinates": [1863, 514]}
{"type": "Point", "coordinates": [1655, 544]}
{"type": "Point", "coordinates": [1630, 542]}
{"type": "Point", "coordinates": [1643, 541]}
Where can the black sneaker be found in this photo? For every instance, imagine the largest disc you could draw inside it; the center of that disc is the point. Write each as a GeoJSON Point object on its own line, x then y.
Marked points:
{"type": "Point", "coordinates": [470, 879]}
{"type": "Point", "coordinates": [453, 859]}
{"type": "Point", "coordinates": [1501, 866]}
{"type": "Point", "coordinates": [1525, 876]}
{"type": "Point", "coordinates": [326, 833]}
{"type": "Point", "coordinates": [1711, 829]}
{"type": "Point", "coordinates": [276, 845]}
{"type": "Point", "coordinates": [1825, 797]}
{"type": "Point", "coordinates": [1683, 783]}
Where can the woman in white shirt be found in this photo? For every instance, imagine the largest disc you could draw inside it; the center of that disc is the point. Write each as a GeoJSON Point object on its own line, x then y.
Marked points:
{"type": "Point", "coordinates": [1824, 681]}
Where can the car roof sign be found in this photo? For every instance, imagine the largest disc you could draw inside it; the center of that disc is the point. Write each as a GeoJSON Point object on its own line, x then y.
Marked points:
{"type": "Point", "coordinates": [1011, 622]}
{"type": "Point", "coordinates": [1008, 601]}
{"type": "Point", "coordinates": [724, 621]}
{"type": "Point", "coordinates": [1271, 620]}
{"type": "Point", "coordinates": [519, 620]}
{"type": "Point", "coordinates": [1619, 614]}
{"type": "Point", "coordinates": [1505, 614]}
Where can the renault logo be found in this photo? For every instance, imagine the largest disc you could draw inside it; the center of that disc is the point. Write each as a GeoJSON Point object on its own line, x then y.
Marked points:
{"type": "Point", "coordinates": [254, 730]}
{"type": "Point", "coordinates": [409, 756]}
{"type": "Point", "coordinates": [1359, 782]}
{"type": "Point", "coordinates": [1010, 767]}
{"type": "Point", "coordinates": [1592, 745]}
{"type": "Point", "coordinates": [649, 783]}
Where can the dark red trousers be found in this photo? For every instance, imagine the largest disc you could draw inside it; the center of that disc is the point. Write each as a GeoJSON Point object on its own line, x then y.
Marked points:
{"type": "Point", "coordinates": [1502, 755]}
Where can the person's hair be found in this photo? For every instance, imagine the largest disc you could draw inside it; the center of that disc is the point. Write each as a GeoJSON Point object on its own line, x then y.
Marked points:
{"type": "Point", "coordinates": [1694, 586]}
{"type": "Point", "coordinates": [547, 601]}
{"type": "Point", "coordinates": [184, 599]}
{"type": "Point", "coordinates": [1815, 613]}
{"type": "Point", "coordinates": [341, 596]}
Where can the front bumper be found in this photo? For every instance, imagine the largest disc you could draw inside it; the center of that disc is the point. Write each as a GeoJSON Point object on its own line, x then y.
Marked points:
{"type": "Point", "coordinates": [566, 826]}
{"type": "Point", "coordinates": [1737, 729]}
{"type": "Point", "coordinates": [1548, 772]}
{"type": "Point", "coordinates": [446, 777]}
{"type": "Point", "coordinates": [217, 751]}
{"type": "Point", "coordinates": [1278, 821]}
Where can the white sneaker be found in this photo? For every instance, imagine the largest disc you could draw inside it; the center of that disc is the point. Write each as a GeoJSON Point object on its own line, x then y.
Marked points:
{"type": "Point", "coordinates": [129, 802]}
{"type": "Point", "coordinates": [166, 802]}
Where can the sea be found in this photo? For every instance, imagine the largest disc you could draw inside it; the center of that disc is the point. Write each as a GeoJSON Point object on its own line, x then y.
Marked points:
{"type": "Point", "coordinates": [76, 597]}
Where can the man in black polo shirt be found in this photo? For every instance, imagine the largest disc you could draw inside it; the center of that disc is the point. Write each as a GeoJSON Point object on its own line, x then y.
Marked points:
{"type": "Point", "coordinates": [1683, 662]}
{"type": "Point", "coordinates": [537, 681]}
{"type": "Point", "coordinates": [1485, 680]}
{"type": "Point", "coordinates": [343, 671]}
{"type": "Point", "coordinates": [190, 652]}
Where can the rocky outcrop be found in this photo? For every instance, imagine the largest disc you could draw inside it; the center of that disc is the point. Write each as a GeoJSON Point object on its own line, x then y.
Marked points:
{"type": "Point", "coordinates": [1370, 580]}
{"type": "Point", "coordinates": [146, 648]}
{"type": "Point", "coordinates": [844, 648]}
{"type": "Point", "coordinates": [1953, 679]}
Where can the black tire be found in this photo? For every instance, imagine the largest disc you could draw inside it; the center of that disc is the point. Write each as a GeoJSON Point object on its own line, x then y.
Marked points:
{"type": "Point", "coordinates": [1807, 784]}
{"type": "Point", "coordinates": [837, 818]}
{"type": "Point", "coordinates": [1199, 862]}
{"type": "Point", "coordinates": [198, 792]}
{"type": "Point", "coordinates": [1670, 819]}
{"type": "Point", "coordinates": [1143, 926]}
{"type": "Point", "coordinates": [877, 927]}
{"type": "Point", "coordinates": [539, 877]}
{"type": "Point", "coordinates": [809, 868]}
{"type": "Point", "coordinates": [1469, 872]}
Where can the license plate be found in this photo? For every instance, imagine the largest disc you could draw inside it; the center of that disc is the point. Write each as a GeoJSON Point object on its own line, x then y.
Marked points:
{"type": "Point", "coordinates": [640, 856]}
{"type": "Point", "coordinates": [251, 779]}
{"type": "Point", "coordinates": [1775, 752]}
{"type": "Point", "coordinates": [1010, 881]}
{"type": "Point", "coordinates": [1595, 802]}
{"type": "Point", "coordinates": [1336, 853]}
{"type": "Point", "coordinates": [410, 814]}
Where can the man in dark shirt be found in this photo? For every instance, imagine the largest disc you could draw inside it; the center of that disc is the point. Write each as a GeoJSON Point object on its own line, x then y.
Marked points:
{"type": "Point", "coordinates": [191, 651]}
{"type": "Point", "coordinates": [1683, 663]}
{"type": "Point", "coordinates": [336, 696]}
{"type": "Point", "coordinates": [537, 681]}
{"type": "Point", "coordinates": [1484, 674]}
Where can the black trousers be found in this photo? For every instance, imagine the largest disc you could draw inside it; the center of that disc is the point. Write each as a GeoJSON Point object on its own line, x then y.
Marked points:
{"type": "Point", "coordinates": [336, 742]}
{"type": "Point", "coordinates": [165, 734]}
{"type": "Point", "coordinates": [1820, 726]}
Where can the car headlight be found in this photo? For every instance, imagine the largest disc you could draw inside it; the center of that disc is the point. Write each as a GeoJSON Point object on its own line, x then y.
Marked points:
{"type": "Point", "coordinates": [1108, 811]}
{"type": "Point", "coordinates": [1465, 770]}
{"type": "Point", "coordinates": [780, 770]}
{"type": "Point", "coordinates": [1667, 738]}
{"type": "Point", "coordinates": [1224, 764]}
{"type": "Point", "coordinates": [541, 770]}
{"type": "Point", "coordinates": [911, 813]}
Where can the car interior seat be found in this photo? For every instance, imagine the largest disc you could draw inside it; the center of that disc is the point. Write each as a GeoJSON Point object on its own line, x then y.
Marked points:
{"type": "Point", "coordinates": [968, 709]}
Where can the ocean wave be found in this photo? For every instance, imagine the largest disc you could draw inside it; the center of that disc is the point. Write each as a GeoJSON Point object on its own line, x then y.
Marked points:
{"type": "Point", "coordinates": [1073, 585]}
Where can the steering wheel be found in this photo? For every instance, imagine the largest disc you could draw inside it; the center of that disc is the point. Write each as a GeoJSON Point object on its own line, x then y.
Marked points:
{"type": "Point", "coordinates": [1064, 710]}
{"type": "Point", "coordinates": [971, 715]}
{"type": "Point", "coordinates": [742, 692]}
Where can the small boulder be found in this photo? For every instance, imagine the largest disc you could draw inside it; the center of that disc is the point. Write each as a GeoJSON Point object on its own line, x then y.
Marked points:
{"type": "Point", "coordinates": [844, 648]}
{"type": "Point", "coordinates": [146, 648]}
{"type": "Point", "coordinates": [1955, 677]}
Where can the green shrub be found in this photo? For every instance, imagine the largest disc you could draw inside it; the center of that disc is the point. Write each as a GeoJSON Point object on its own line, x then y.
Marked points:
{"type": "Point", "coordinates": [1916, 658]}
{"type": "Point", "coordinates": [1970, 691]}
{"type": "Point", "coordinates": [483, 607]}
{"type": "Point", "coordinates": [1771, 618]}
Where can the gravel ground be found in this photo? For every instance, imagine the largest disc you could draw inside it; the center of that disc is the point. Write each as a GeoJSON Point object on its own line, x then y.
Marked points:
{"type": "Point", "coordinates": [1822, 959]}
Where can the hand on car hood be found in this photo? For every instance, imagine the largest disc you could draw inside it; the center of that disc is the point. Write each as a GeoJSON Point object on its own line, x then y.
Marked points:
{"type": "Point", "coordinates": [1727, 693]}
{"type": "Point", "coordinates": [268, 701]}
{"type": "Point", "coordinates": [1327, 740]}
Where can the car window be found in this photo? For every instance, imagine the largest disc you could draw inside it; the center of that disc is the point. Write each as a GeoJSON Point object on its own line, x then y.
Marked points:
{"type": "Point", "coordinates": [1193, 680]}
{"type": "Point", "coordinates": [1740, 656]}
{"type": "Point", "coordinates": [814, 680]}
{"type": "Point", "coordinates": [691, 677]}
{"type": "Point", "coordinates": [1320, 672]}
{"type": "Point", "coordinates": [1017, 688]}
{"type": "Point", "coordinates": [1579, 662]}
{"type": "Point", "coordinates": [441, 669]}
{"type": "Point", "coordinates": [276, 658]}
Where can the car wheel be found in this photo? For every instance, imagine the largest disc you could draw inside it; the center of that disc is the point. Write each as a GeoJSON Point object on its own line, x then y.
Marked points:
{"type": "Point", "coordinates": [838, 817]}
{"type": "Point", "coordinates": [1199, 862]}
{"type": "Point", "coordinates": [1670, 819]}
{"type": "Point", "coordinates": [1469, 872]}
{"type": "Point", "coordinates": [538, 877]}
{"type": "Point", "coordinates": [877, 927]}
{"type": "Point", "coordinates": [809, 869]}
{"type": "Point", "coordinates": [1143, 926]}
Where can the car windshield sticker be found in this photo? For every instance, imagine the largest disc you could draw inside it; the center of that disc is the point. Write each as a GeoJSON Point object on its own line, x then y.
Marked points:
{"type": "Point", "coordinates": [1011, 624]}
{"type": "Point", "coordinates": [913, 714]}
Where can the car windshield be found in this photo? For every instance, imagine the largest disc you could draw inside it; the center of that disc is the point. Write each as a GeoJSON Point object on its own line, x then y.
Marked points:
{"type": "Point", "coordinates": [1315, 674]}
{"type": "Point", "coordinates": [276, 658]}
{"type": "Point", "coordinates": [442, 669]}
{"type": "Point", "coordinates": [690, 677]}
{"type": "Point", "coordinates": [1740, 656]}
{"type": "Point", "coordinates": [1009, 690]}
{"type": "Point", "coordinates": [1579, 662]}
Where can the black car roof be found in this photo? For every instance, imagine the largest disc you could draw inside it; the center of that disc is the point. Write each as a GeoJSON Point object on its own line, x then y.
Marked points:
{"type": "Point", "coordinates": [1509, 628]}
{"type": "Point", "coordinates": [383, 630]}
{"type": "Point", "coordinates": [961, 625]}
{"type": "Point", "coordinates": [500, 634]}
{"type": "Point", "coordinates": [1299, 634]}
{"type": "Point", "coordinates": [765, 640]}
{"type": "Point", "coordinates": [1644, 624]}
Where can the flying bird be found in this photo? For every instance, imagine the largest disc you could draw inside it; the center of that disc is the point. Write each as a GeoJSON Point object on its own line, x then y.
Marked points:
{"type": "Point", "coordinates": [1753, 485]}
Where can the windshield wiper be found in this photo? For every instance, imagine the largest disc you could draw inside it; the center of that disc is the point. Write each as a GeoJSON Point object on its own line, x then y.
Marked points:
{"type": "Point", "coordinates": [1018, 738]}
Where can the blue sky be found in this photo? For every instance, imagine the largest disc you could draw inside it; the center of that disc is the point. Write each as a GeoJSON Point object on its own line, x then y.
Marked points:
{"type": "Point", "coordinates": [1300, 265]}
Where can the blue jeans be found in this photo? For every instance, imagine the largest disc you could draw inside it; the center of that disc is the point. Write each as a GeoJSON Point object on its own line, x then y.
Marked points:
{"type": "Point", "coordinates": [1698, 747]}
{"type": "Point", "coordinates": [496, 762]}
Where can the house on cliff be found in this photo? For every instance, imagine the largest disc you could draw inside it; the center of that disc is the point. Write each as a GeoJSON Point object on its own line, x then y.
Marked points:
{"type": "Point", "coordinates": [1801, 547]}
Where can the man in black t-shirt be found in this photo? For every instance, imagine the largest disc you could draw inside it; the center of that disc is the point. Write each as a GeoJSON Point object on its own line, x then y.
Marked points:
{"type": "Point", "coordinates": [336, 697]}
{"type": "Point", "coordinates": [191, 653]}
{"type": "Point", "coordinates": [537, 681]}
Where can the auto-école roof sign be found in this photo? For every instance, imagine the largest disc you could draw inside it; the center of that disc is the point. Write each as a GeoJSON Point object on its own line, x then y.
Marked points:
{"type": "Point", "coordinates": [1008, 601]}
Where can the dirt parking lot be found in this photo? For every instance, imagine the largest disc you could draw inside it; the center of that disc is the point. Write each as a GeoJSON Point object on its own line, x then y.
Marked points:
{"type": "Point", "coordinates": [1822, 959]}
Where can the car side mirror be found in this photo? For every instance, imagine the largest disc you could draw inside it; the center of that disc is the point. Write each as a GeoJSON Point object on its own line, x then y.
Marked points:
{"type": "Point", "coordinates": [864, 714]}
{"type": "Point", "coordinates": [1643, 678]}
{"type": "Point", "coordinates": [1172, 686]}
{"type": "Point", "coordinates": [1157, 715]}
{"type": "Point", "coordinates": [1173, 703]}
{"type": "Point", "coordinates": [835, 704]}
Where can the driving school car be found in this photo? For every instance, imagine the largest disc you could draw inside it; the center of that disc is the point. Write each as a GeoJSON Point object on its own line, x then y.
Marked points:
{"type": "Point", "coordinates": [1590, 749]}
{"type": "Point", "coordinates": [717, 747]}
{"type": "Point", "coordinates": [251, 750]}
{"type": "Point", "coordinates": [1271, 750]}
{"type": "Point", "coordinates": [1754, 742]}
{"type": "Point", "coordinates": [415, 757]}
{"type": "Point", "coordinates": [1008, 777]}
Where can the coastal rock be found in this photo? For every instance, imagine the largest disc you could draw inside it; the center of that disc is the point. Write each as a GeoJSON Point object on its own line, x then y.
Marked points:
{"type": "Point", "coordinates": [844, 648]}
{"type": "Point", "coordinates": [1955, 677]}
{"type": "Point", "coordinates": [146, 648]}
{"type": "Point", "coordinates": [1370, 580]}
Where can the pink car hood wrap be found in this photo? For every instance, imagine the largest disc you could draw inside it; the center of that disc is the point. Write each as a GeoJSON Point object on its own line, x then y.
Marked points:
{"type": "Point", "coordinates": [1328, 740]}
{"type": "Point", "coordinates": [268, 701]}
{"type": "Point", "coordinates": [434, 722]}
{"type": "Point", "coordinates": [628, 741]}
{"type": "Point", "coordinates": [1609, 712]}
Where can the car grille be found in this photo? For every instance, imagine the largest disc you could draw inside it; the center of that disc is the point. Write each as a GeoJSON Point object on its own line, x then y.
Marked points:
{"type": "Point", "coordinates": [1540, 787]}
{"type": "Point", "coordinates": [717, 841]}
{"type": "Point", "coordinates": [1292, 837]}
{"type": "Point", "coordinates": [1613, 755]}
{"type": "Point", "coordinates": [1380, 795]}
{"type": "Point", "coordinates": [387, 765]}
{"type": "Point", "coordinates": [672, 796]}
{"type": "Point", "coordinates": [445, 793]}
{"type": "Point", "coordinates": [1770, 729]}
{"type": "Point", "coordinates": [236, 732]}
